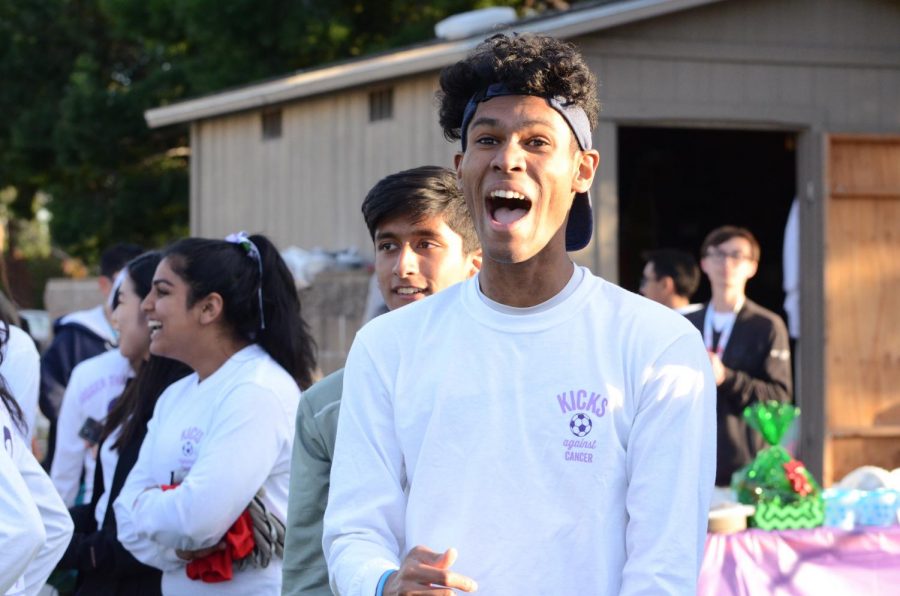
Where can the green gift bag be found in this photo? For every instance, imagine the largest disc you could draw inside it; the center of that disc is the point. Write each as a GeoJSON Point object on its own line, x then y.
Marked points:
{"type": "Point", "coordinates": [785, 494]}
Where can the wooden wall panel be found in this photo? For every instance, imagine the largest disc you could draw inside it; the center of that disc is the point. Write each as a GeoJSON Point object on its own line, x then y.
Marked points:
{"type": "Point", "coordinates": [847, 454]}
{"type": "Point", "coordinates": [863, 314]}
{"type": "Point", "coordinates": [864, 167]}
{"type": "Point", "coordinates": [863, 303]}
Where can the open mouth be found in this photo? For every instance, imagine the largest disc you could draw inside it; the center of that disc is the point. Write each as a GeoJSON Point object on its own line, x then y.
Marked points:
{"type": "Point", "coordinates": [154, 327]}
{"type": "Point", "coordinates": [507, 206]}
{"type": "Point", "coordinates": [408, 291]}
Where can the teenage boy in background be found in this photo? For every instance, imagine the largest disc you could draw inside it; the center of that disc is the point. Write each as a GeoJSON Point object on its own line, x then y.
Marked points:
{"type": "Point", "coordinates": [424, 242]}
{"type": "Point", "coordinates": [747, 345]}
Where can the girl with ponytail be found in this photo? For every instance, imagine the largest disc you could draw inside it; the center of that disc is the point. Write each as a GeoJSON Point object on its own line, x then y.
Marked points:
{"type": "Point", "coordinates": [221, 438]}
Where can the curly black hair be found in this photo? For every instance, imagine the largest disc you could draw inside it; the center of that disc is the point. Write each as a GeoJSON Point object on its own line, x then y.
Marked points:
{"type": "Point", "coordinates": [533, 64]}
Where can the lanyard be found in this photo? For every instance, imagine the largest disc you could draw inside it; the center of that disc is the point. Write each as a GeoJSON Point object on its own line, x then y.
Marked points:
{"type": "Point", "coordinates": [724, 334]}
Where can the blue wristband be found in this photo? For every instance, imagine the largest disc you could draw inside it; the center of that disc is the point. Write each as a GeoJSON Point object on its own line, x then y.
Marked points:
{"type": "Point", "coordinates": [379, 589]}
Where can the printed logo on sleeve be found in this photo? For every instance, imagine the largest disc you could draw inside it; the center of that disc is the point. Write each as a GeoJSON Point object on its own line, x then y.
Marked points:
{"type": "Point", "coordinates": [585, 407]}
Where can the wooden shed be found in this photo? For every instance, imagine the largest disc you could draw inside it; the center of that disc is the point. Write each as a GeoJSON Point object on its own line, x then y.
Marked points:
{"type": "Point", "coordinates": [714, 111]}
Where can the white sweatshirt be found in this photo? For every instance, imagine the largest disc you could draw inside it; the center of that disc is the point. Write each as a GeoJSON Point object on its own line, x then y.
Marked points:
{"type": "Point", "coordinates": [94, 385]}
{"type": "Point", "coordinates": [35, 527]}
{"type": "Point", "coordinates": [226, 437]}
{"type": "Point", "coordinates": [21, 367]}
{"type": "Point", "coordinates": [21, 531]}
{"type": "Point", "coordinates": [568, 451]}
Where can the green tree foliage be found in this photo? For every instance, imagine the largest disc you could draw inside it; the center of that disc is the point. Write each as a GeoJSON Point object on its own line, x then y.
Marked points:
{"type": "Point", "coordinates": [79, 74]}
{"type": "Point", "coordinates": [34, 74]}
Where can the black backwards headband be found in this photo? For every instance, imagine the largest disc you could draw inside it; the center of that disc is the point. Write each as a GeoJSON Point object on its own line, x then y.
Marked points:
{"type": "Point", "coordinates": [580, 225]}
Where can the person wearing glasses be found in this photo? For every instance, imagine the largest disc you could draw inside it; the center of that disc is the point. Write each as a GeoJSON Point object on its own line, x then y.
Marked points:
{"type": "Point", "coordinates": [747, 345]}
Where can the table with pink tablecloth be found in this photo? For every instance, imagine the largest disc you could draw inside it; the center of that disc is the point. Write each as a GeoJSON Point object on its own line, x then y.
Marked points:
{"type": "Point", "coordinates": [823, 561]}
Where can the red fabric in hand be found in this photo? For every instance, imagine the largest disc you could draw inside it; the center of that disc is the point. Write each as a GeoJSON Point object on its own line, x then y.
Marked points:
{"type": "Point", "coordinates": [217, 567]}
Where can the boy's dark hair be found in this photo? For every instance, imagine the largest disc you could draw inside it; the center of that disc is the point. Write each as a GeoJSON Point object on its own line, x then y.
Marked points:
{"type": "Point", "coordinates": [531, 64]}
{"type": "Point", "coordinates": [419, 194]}
{"type": "Point", "coordinates": [116, 256]}
{"type": "Point", "coordinates": [677, 264]}
{"type": "Point", "coordinates": [724, 234]}
{"type": "Point", "coordinates": [228, 269]}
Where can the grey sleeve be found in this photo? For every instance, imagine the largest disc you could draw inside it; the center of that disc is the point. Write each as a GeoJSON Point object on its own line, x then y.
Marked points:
{"type": "Point", "coordinates": [305, 571]}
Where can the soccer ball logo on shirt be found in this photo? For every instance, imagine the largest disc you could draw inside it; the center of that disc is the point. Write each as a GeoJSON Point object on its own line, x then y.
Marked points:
{"type": "Point", "coordinates": [580, 425]}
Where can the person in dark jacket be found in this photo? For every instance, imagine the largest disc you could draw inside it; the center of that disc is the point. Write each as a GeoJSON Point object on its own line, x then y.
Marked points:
{"type": "Point", "coordinates": [104, 566]}
{"type": "Point", "coordinates": [747, 344]}
{"type": "Point", "coordinates": [671, 277]}
{"type": "Point", "coordinates": [78, 336]}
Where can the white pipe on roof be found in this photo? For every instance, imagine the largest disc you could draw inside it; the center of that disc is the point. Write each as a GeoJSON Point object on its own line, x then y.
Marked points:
{"type": "Point", "coordinates": [466, 24]}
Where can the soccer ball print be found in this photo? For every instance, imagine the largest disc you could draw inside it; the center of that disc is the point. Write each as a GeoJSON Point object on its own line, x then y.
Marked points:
{"type": "Point", "coordinates": [580, 425]}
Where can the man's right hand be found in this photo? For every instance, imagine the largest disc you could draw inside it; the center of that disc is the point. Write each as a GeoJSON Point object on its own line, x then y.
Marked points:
{"type": "Point", "coordinates": [424, 571]}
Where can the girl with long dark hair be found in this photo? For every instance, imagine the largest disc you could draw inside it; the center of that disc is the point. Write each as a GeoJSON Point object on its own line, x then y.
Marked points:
{"type": "Point", "coordinates": [20, 364]}
{"type": "Point", "coordinates": [104, 565]}
{"type": "Point", "coordinates": [34, 523]}
{"type": "Point", "coordinates": [223, 435]}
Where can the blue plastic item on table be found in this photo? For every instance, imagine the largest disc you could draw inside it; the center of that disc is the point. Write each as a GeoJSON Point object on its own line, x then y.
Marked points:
{"type": "Point", "coordinates": [878, 507]}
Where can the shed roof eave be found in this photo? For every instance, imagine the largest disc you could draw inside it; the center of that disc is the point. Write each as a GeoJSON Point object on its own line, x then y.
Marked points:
{"type": "Point", "coordinates": [304, 84]}
{"type": "Point", "coordinates": [403, 62]}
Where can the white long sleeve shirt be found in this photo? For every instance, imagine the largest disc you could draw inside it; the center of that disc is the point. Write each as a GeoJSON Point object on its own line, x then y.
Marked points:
{"type": "Point", "coordinates": [35, 527]}
{"type": "Point", "coordinates": [226, 436]}
{"type": "Point", "coordinates": [94, 385]}
{"type": "Point", "coordinates": [21, 531]}
{"type": "Point", "coordinates": [567, 451]}
{"type": "Point", "coordinates": [21, 367]}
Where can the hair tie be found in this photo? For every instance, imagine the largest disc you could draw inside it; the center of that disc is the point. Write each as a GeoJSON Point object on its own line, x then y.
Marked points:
{"type": "Point", "coordinates": [242, 240]}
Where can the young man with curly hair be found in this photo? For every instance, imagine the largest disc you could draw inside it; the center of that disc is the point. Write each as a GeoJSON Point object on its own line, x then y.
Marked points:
{"type": "Point", "coordinates": [536, 429]}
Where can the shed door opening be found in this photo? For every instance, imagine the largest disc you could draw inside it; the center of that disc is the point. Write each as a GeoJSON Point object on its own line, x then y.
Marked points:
{"type": "Point", "coordinates": [677, 184]}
